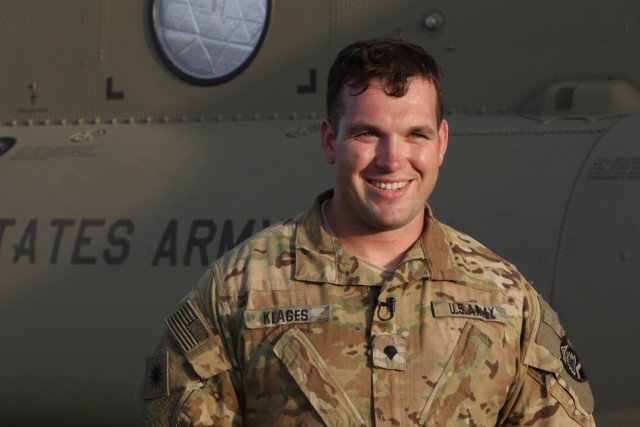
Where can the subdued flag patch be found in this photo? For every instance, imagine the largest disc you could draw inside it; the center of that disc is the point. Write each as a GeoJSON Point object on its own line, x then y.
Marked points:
{"type": "Point", "coordinates": [188, 326]}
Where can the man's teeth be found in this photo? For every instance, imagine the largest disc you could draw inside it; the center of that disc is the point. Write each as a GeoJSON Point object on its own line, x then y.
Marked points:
{"type": "Point", "coordinates": [389, 185]}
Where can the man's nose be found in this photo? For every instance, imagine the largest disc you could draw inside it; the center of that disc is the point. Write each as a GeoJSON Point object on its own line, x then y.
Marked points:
{"type": "Point", "coordinates": [390, 154]}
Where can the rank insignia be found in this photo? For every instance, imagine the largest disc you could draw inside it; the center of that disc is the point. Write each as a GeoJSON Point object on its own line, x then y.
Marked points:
{"type": "Point", "coordinates": [389, 352]}
{"type": "Point", "coordinates": [156, 376]}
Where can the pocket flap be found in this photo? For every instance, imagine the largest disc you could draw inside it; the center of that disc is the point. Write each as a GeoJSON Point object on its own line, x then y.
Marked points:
{"type": "Point", "coordinates": [541, 358]}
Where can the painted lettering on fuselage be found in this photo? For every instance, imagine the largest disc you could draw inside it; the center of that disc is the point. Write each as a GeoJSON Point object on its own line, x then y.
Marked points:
{"type": "Point", "coordinates": [93, 241]}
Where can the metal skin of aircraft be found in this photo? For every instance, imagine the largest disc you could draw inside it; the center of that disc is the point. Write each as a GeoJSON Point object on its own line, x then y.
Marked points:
{"type": "Point", "coordinates": [126, 166]}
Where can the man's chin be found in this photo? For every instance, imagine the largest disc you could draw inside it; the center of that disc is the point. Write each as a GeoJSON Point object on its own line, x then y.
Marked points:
{"type": "Point", "coordinates": [389, 223]}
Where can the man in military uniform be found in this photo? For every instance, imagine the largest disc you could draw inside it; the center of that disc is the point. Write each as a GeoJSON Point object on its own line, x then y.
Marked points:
{"type": "Point", "coordinates": [365, 310]}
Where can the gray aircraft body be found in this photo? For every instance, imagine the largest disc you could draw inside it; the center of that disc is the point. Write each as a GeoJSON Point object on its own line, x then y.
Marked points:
{"type": "Point", "coordinates": [140, 140]}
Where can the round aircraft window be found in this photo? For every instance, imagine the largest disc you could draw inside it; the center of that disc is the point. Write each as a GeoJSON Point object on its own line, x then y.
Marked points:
{"type": "Point", "coordinates": [208, 42]}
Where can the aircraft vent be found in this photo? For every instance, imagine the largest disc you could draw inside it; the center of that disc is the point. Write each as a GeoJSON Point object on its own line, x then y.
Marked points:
{"type": "Point", "coordinates": [588, 99]}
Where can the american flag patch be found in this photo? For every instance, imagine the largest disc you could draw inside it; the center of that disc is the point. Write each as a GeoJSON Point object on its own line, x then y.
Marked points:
{"type": "Point", "coordinates": [188, 326]}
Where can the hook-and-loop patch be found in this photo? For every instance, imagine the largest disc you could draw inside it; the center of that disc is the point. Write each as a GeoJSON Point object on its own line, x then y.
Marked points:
{"type": "Point", "coordinates": [188, 327]}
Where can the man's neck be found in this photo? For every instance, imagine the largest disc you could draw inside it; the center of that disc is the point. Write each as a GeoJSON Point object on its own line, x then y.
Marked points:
{"type": "Point", "coordinates": [382, 248]}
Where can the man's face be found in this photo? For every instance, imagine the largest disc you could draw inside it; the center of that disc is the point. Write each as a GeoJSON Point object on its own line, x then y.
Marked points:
{"type": "Point", "coordinates": [387, 152]}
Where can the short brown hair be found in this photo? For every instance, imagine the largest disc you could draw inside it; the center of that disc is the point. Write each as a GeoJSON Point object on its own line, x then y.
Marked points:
{"type": "Point", "coordinates": [393, 61]}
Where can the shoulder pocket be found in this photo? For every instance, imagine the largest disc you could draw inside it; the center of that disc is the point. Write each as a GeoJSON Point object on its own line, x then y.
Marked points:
{"type": "Point", "coordinates": [553, 354]}
{"type": "Point", "coordinates": [201, 346]}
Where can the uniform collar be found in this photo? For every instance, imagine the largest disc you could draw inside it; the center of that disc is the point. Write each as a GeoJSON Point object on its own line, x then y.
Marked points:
{"type": "Point", "coordinates": [321, 258]}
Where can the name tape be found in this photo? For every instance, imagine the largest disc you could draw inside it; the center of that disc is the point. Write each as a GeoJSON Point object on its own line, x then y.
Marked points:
{"type": "Point", "coordinates": [264, 318]}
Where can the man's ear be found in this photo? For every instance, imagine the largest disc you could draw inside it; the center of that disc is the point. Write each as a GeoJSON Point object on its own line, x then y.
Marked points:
{"type": "Point", "coordinates": [328, 135]}
{"type": "Point", "coordinates": [443, 141]}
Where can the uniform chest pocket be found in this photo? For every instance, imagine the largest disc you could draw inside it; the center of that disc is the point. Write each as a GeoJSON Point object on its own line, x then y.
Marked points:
{"type": "Point", "coordinates": [454, 386]}
{"type": "Point", "coordinates": [316, 380]}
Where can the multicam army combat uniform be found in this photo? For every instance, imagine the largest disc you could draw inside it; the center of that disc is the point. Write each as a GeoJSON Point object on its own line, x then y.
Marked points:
{"type": "Point", "coordinates": [284, 330]}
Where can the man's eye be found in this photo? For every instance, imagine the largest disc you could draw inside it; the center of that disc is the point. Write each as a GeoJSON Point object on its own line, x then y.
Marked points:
{"type": "Point", "coordinates": [423, 136]}
{"type": "Point", "coordinates": [365, 135]}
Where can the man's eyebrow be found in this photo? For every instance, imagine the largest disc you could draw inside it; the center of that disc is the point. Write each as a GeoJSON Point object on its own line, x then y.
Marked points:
{"type": "Point", "coordinates": [426, 130]}
{"type": "Point", "coordinates": [362, 126]}
{"type": "Point", "coordinates": [358, 127]}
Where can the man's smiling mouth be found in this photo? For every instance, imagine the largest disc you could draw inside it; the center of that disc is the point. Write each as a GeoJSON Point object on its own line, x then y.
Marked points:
{"type": "Point", "coordinates": [389, 185]}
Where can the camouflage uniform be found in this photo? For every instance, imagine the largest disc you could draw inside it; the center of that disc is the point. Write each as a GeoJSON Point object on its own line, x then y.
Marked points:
{"type": "Point", "coordinates": [284, 330]}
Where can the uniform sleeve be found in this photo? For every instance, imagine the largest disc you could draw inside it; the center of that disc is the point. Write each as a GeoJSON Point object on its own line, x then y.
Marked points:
{"type": "Point", "coordinates": [553, 389]}
{"type": "Point", "coordinates": [189, 379]}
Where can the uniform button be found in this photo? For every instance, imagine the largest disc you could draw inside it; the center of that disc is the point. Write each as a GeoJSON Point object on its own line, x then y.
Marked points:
{"type": "Point", "coordinates": [390, 351]}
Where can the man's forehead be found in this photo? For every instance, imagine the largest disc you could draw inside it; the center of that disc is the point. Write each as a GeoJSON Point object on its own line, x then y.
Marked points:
{"type": "Point", "coordinates": [355, 99]}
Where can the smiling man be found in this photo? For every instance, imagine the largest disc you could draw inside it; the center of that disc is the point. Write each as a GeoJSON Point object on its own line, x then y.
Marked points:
{"type": "Point", "coordinates": [365, 310]}
{"type": "Point", "coordinates": [387, 150]}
